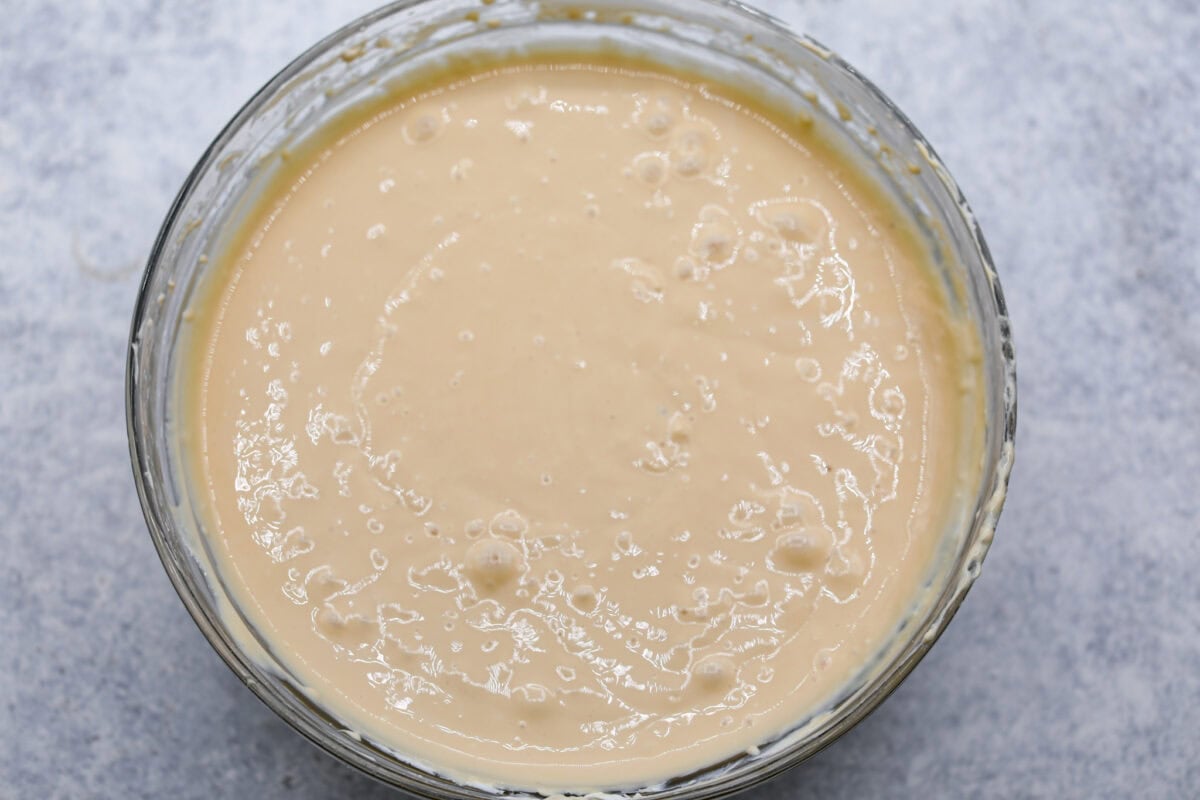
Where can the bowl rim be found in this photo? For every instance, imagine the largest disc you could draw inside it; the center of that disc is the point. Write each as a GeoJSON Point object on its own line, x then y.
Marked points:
{"type": "Point", "coordinates": [415, 778]}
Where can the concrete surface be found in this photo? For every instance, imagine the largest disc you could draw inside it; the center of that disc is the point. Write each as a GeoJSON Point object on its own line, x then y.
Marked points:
{"type": "Point", "coordinates": [1073, 670]}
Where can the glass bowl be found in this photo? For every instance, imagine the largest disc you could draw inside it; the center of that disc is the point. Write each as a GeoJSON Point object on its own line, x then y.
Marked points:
{"type": "Point", "coordinates": [746, 49]}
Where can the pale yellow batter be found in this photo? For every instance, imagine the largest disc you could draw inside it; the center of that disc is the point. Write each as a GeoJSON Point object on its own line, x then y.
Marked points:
{"type": "Point", "coordinates": [569, 427]}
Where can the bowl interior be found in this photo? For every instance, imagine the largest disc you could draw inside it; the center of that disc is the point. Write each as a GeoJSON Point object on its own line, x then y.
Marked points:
{"type": "Point", "coordinates": [738, 46]}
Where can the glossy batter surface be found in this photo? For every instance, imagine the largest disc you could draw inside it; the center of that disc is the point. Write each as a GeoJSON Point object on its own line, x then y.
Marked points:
{"type": "Point", "coordinates": [574, 427]}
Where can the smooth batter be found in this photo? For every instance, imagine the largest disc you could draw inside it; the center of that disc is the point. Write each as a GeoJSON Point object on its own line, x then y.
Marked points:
{"type": "Point", "coordinates": [570, 427]}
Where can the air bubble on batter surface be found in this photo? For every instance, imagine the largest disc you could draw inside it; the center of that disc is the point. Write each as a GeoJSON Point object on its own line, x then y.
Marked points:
{"type": "Point", "coordinates": [655, 115]}
{"type": "Point", "coordinates": [845, 572]}
{"type": "Point", "coordinates": [679, 428]}
{"type": "Point", "coordinates": [645, 279]}
{"type": "Point", "coordinates": [716, 237]}
{"type": "Point", "coordinates": [809, 369]}
{"type": "Point", "coordinates": [584, 598]}
{"type": "Point", "coordinates": [692, 150]}
{"type": "Point", "coordinates": [802, 550]}
{"type": "Point", "coordinates": [491, 563]}
{"type": "Point", "coordinates": [423, 126]}
{"type": "Point", "coordinates": [714, 673]}
{"type": "Point", "coordinates": [651, 168]}
{"type": "Point", "coordinates": [508, 524]}
{"type": "Point", "coordinates": [795, 221]}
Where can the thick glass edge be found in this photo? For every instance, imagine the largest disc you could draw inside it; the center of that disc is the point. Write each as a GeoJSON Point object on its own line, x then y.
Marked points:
{"type": "Point", "coordinates": [990, 501]}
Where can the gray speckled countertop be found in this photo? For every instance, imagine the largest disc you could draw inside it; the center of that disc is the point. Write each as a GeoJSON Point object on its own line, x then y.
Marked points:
{"type": "Point", "coordinates": [1073, 669]}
